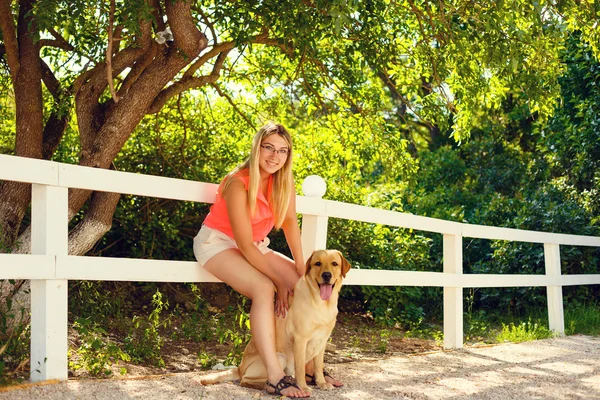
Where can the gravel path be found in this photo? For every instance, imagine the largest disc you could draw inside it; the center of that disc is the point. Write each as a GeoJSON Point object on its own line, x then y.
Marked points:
{"type": "Point", "coordinates": [559, 368]}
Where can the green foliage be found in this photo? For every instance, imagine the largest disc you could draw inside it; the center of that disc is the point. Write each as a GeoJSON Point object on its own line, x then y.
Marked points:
{"type": "Point", "coordinates": [7, 120]}
{"type": "Point", "coordinates": [426, 331]}
{"type": "Point", "coordinates": [144, 341]}
{"type": "Point", "coordinates": [97, 352]}
{"type": "Point", "coordinates": [206, 361]}
{"type": "Point", "coordinates": [526, 331]}
{"type": "Point", "coordinates": [195, 325]}
{"type": "Point", "coordinates": [583, 319]}
{"type": "Point", "coordinates": [475, 324]}
{"type": "Point", "coordinates": [571, 140]}
{"type": "Point", "coordinates": [236, 335]}
{"type": "Point", "coordinates": [14, 339]}
{"type": "Point", "coordinates": [99, 300]}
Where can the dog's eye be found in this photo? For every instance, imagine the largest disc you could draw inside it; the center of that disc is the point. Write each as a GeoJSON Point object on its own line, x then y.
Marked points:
{"type": "Point", "coordinates": [335, 264]}
{"type": "Point", "coordinates": [318, 263]}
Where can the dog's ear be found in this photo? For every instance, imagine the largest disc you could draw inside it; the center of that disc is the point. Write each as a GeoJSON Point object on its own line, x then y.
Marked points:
{"type": "Point", "coordinates": [345, 264]}
{"type": "Point", "coordinates": [308, 263]}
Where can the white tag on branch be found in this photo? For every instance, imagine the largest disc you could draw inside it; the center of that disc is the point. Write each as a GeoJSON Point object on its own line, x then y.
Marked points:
{"type": "Point", "coordinates": [164, 36]}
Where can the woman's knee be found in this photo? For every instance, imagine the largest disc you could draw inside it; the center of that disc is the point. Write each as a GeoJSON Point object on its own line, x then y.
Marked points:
{"type": "Point", "coordinates": [263, 289]}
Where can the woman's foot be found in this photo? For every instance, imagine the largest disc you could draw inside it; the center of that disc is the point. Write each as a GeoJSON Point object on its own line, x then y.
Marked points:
{"type": "Point", "coordinates": [286, 386]}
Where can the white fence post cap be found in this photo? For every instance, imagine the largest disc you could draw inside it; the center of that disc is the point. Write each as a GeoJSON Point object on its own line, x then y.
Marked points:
{"type": "Point", "coordinates": [314, 186]}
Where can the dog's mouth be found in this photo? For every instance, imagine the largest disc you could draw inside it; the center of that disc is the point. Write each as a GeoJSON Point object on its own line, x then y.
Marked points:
{"type": "Point", "coordinates": [326, 289]}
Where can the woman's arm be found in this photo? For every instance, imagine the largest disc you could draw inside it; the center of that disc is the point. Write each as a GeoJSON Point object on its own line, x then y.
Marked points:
{"type": "Point", "coordinates": [236, 199]}
{"type": "Point", "coordinates": [292, 235]}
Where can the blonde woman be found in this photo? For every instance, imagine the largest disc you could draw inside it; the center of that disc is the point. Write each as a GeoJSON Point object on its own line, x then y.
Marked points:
{"type": "Point", "coordinates": [233, 244]}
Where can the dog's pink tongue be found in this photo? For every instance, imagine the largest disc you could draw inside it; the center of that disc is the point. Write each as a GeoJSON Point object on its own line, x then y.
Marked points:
{"type": "Point", "coordinates": [326, 291]}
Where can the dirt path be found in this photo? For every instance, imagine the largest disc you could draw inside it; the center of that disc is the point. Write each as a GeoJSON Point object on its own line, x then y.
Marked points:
{"type": "Point", "coordinates": [559, 368]}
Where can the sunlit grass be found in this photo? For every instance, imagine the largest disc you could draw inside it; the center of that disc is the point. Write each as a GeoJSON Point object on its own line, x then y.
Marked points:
{"type": "Point", "coordinates": [584, 320]}
{"type": "Point", "coordinates": [523, 332]}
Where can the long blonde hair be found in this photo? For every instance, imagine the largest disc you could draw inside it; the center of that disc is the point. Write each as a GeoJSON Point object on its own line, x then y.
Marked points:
{"type": "Point", "coordinates": [282, 179]}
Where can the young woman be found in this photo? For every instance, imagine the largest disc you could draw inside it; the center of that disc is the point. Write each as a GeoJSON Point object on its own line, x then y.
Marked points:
{"type": "Point", "coordinates": [233, 244]}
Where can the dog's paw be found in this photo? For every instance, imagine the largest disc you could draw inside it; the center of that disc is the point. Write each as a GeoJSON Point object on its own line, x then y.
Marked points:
{"type": "Point", "coordinates": [305, 387]}
{"type": "Point", "coordinates": [325, 386]}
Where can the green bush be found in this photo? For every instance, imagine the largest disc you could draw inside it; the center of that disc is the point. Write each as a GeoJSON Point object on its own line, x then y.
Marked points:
{"type": "Point", "coordinates": [525, 331]}
{"type": "Point", "coordinates": [97, 352]}
{"type": "Point", "coordinates": [144, 341]}
{"type": "Point", "coordinates": [14, 340]}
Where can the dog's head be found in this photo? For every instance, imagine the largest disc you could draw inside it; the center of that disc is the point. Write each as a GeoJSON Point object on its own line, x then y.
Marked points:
{"type": "Point", "coordinates": [327, 268]}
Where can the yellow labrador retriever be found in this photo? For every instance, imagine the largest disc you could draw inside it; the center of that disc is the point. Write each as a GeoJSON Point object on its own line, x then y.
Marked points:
{"type": "Point", "coordinates": [303, 334]}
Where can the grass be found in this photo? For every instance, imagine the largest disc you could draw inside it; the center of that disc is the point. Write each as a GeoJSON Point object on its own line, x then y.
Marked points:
{"type": "Point", "coordinates": [523, 332]}
{"type": "Point", "coordinates": [480, 327]}
{"type": "Point", "coordinates": [584, 319]}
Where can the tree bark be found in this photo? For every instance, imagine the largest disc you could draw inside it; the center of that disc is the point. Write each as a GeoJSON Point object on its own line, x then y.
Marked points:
{"type": "Point", "coordinates": [26, 75]}
{"type": "Point", "coordinates": [97, 221]}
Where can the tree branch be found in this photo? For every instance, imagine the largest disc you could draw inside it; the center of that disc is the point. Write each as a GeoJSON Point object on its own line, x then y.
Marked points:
{"type": "Point", "coordinates": [187, 36]}
{"type": "Point", "coordinates": [179, 87]}
{"type": "Point", "coordinates": [396, 95]}
{"type": "Point", "coordinates": [9, 36]}
{"type": "Point", "coordinates": [187, 83]}
{"type": "Point", "coordinates": [208, 24]}
{"type": "Point", "coordinates": [221, 47]}
{"type": "Point", "coordinates": [55, 43]}
{"type": "Point", "coordinates": [227, 46]}
{"type": "Point", "coordinates": [89, 87]}
{"type": "Point", "coordinates": [137, 69]}
{"type": "Point", "coordinates": [109, 52]}
{"type": "Point", "coordinates": [52, 84]}
{"type": "Point", "coordinates": [53, 133]}
{"type": "Point", "coordinates": [235, 107]}
{"type": "Point", "coordinates": [158, 15]}
{"type": "Point", "coordinates": [58, 41]}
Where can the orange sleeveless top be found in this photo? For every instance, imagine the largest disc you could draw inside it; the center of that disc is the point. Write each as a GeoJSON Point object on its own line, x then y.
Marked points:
{"type": "Point", "coordinates": [262, 221]}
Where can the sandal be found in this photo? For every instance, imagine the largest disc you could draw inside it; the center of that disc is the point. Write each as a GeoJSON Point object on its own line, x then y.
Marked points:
{"type": "Point", "coordinates": [284, 383]}
{"type": "Point", "coordinates": [311, 380]}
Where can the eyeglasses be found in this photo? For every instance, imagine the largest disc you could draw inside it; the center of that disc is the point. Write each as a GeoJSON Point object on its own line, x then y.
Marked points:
{"type": "Point", "coordinates": [273, 150]}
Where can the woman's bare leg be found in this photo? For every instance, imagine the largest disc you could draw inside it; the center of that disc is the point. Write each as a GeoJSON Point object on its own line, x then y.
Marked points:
{"type": "Point", "coordinates": [284, 266]}
{"type": "Point", "coordinates": [231, 267]}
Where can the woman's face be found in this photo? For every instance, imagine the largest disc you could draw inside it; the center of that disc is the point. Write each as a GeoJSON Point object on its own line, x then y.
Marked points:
{"type": "Point", "coordinates": [274, 151]}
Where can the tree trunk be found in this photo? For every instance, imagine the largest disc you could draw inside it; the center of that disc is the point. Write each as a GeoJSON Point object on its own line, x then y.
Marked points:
{"type": "Point", "coordinates": [97, 221]}
{"type": "Point", "coordinates": [27, 85]}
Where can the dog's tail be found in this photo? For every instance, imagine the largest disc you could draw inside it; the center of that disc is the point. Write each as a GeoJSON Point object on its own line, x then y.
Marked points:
{"type": "Point", "coordinates": [221, 376]}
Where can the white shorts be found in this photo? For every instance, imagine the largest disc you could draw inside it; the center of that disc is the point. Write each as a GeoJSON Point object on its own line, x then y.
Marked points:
{"type": "Point", "coordinates": [210, 242]}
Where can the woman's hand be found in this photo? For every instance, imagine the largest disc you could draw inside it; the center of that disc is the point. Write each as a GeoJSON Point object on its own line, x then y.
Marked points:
{"type": "Point", "coordinates": [281, 300]}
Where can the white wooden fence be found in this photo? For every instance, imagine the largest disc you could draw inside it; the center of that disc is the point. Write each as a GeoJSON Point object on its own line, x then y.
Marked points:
{"type": "Point", "coordinates": [50, 267]}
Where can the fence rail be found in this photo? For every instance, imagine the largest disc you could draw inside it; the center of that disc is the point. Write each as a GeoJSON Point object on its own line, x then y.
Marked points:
{"type": "Point", "coordinates": [49, 267]}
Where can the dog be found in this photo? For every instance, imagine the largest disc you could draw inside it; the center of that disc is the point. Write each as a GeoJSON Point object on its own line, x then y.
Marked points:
{"type": "Point", "coordinates": [303, 334]}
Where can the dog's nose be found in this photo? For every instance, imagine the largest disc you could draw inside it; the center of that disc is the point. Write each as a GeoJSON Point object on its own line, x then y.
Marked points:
{"type": "Point", "coordinates": [326, 276]}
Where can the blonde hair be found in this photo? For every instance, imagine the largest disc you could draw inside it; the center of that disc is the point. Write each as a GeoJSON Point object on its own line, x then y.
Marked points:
{"type": "Point", "coordinates": [282, 179]}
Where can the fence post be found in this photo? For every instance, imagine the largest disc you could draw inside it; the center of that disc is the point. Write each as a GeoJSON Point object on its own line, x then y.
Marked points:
{"type": "Point", "coordinates": [453, 296]}
{"type": "Point", "coordinates": [49, 235]}
{"type": "Point", "coordinates": [556, 317]}
{"type": "Point", "coordinates": [314, 227]}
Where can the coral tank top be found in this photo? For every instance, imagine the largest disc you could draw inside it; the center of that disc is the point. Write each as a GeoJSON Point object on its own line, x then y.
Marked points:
{"type": "Point", "coordinates": [262, 221]}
